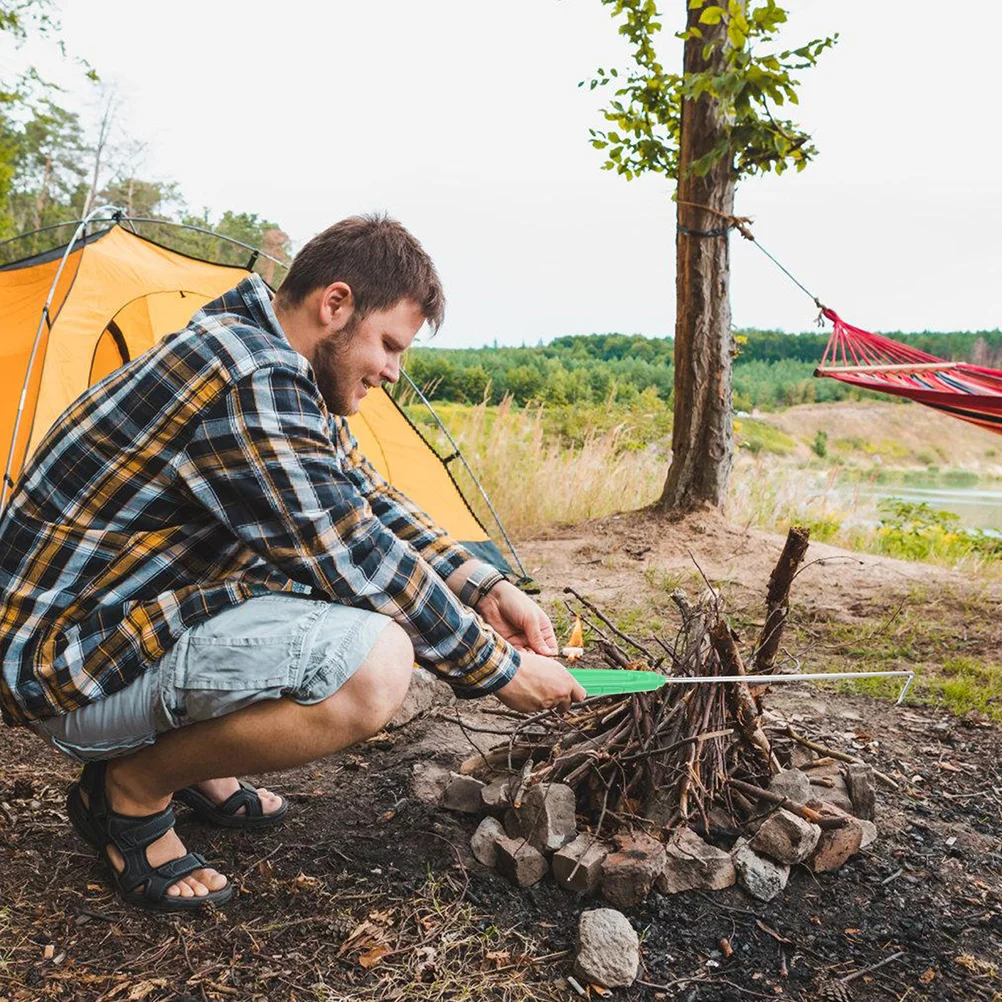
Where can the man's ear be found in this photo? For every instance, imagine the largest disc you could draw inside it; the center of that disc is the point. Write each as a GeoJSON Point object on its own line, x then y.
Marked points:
{"type": "Point", "coordinates": [336, 305]}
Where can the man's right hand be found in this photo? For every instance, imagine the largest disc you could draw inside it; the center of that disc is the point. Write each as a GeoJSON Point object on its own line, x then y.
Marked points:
{"type": "Point", "coordinates": [539, 684]}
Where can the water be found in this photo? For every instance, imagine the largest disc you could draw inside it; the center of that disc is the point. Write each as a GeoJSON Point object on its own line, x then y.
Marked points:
{"type": "Point", "coordinates": [978, 504]}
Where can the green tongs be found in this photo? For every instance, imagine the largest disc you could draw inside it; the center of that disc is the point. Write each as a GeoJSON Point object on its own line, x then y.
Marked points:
{"type": "Point", "coordinates": [615, 681]}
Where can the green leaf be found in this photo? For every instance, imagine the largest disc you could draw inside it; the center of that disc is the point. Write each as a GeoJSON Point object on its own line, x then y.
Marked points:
{"type": "Point", "coordinates": [712, 15]}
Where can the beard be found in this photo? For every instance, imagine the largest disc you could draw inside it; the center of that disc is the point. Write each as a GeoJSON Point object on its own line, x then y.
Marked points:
{"type": "Point", "coordinates": [331, 373]}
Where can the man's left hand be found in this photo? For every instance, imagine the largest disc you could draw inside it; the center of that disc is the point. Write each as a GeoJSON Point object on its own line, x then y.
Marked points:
{"type": "Point", "coordinates": [515, 617]}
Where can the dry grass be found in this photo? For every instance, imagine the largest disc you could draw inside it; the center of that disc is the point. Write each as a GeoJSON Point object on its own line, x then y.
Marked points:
{"type": "Point", "coordinates": [536, 477]}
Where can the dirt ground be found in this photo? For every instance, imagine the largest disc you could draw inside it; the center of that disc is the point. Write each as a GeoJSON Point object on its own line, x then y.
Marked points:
{"type": "Point", "coordinates": [369, 890]}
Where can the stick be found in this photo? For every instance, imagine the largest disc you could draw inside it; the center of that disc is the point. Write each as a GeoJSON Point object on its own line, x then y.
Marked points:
{"type": "Point", "coordinates": [807, 813]}
{"type": "Point", "coordinates": [872, 967]}
{"type": "Point", "coordinates": [841, 756]}
{"type": "Point", "coordinates": [778, 597]}
{"type": "Point", "coordinates": [619, 633]}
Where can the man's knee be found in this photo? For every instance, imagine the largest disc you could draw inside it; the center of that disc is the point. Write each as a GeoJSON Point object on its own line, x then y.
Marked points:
{"type": "Point", "coordinates": [379, 685]}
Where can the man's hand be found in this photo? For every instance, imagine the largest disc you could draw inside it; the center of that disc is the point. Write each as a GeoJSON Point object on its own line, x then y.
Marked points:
{"type": "Point", "coordinates": [539, 684]}
{"type": "Point", "coordinates": [514, 616]}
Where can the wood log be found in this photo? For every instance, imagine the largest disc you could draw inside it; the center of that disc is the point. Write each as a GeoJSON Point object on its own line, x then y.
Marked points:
{"type": "Point", "coordinates": [742, 702]}
{"type": "Point", "coordinates": [778, 597]}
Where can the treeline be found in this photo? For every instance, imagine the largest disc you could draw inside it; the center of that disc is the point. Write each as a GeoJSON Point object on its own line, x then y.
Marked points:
{"type": "Point", "coordinates": [771, 369]}
{"type": "Point", "coordinates": [54, 169]}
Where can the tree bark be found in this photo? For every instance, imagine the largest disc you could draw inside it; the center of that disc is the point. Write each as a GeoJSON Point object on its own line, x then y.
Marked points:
{"type": "Point", "coordinates": [703, 431]}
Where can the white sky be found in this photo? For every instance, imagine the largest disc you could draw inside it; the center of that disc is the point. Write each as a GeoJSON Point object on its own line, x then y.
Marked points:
{"type": "Point", "coordinates": [464, 120]}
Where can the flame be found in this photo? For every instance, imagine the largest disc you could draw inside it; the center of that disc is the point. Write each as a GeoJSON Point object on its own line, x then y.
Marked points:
{"type": "Point", "coordinates": [577, 634]}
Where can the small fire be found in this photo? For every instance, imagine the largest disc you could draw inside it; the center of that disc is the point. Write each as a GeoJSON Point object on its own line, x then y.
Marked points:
{"type": "Point", "coordinates": [575, 646]}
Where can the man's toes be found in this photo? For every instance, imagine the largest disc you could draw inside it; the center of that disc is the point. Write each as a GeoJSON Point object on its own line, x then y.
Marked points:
{"type": "Point", "coordinates": [212, 879]}
{"type": "Point", "coordinates": [197, 888]}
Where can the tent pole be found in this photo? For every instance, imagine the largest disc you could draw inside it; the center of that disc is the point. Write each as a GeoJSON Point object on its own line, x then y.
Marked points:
{"type": "Point", "coordinates": [43, 320]}
{"type": "Point", "coordinates": [458, 452]}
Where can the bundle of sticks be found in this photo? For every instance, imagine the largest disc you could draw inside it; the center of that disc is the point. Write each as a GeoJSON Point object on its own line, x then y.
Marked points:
{"type": "Point", "coordinates": [677, 753]}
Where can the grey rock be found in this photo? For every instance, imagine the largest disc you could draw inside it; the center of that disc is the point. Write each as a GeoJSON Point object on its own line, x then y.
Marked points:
{"type": "Point", "coordinates": [462, 794]}
{"type": "Point", "coordinates": [546, 817]}
{"type": "Point", "coordinates": [869, 834]}
{"type": "Point", "coordinates": [760, 877]}
{"type": "Point", "coordinates": [519, 862]}
{"type": "Point", "coordinates": [693, 865]}
{"type": "Point", "coordinates": [660, 806]}
{"type": "Point", "coordinates": [484, 842]}
{"type": "Point", "coordinates": [786, 837]}
{"type": "Point", "coordinates": [608, 949]}
{"type": "Point", "coordinates": [496, 797]}
{"type": "Point", "coordinates": [425, 691]}
{"type": "Point", "coordinates": [837, 794]}
{"type": "Point", "coordinates": [792, 784]}
{"type": "Point", "coordinates": [578, 865]}
{"type": "Point", "coordinates": [859, 779]}
{"type": "Point", "coordinates": [429, 782]}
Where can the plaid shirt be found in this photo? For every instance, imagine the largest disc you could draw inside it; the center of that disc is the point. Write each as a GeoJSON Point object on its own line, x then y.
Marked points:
{"type": "Point", "coordinates": [202, 473]}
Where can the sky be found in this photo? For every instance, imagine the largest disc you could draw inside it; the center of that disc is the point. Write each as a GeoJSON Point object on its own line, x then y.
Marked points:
{"type": "Point", "coordinates": [464, 120]}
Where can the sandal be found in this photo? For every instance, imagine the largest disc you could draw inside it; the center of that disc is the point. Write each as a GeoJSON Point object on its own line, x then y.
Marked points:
{"type": "Point", "coordinates": [139, 882]}
{"type": "Point", "coordinates": [225, 814]}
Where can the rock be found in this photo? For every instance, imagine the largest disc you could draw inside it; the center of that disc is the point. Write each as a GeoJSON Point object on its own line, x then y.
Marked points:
{"type": "Point", "coordinates": [629, 873]}
{"type": "Point", "coordinates": [801, 757]}
{"type": "Point", "coordinates": [462, 794]}
{"type": "Point", "coordinates": [484, 842]}
{"type": "Point", "coordinates": [608, 949]}
{"type": "Point", "coordinates": [578, 865]}
{"type": "Point", "coordinates": [693, 865]}
{"type": "Point", "coordinates": [495, 796]}
{"type": "Point", "coordinates": [785, 837]}
{"type": "Point", "coordinates": [859, 779]}
{"type": "Point", "coordinates": [425, 691]}
{"type": "Point", "coordinates": [826, 768]}
{"type": "Point", "coordinates": [869, 834]}
{"type": "Point", "coordinates": [429, 782]}
{"type": "Point", "coordinates": [836, 845]}
{"type": "Point", "coordinates": [760, 877]}
{"type": "Point", "coordinates": [837, 794]}
{"type": "Point", "coordinates": [546, 817]}
{"type": "Point", "coordinates": [792, 784]}
{"type": "Point", "coordinates": [519, 862]}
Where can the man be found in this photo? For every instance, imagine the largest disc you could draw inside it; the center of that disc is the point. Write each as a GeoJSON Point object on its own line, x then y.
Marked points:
{"type": "Point", "coordinates": [201, 577]}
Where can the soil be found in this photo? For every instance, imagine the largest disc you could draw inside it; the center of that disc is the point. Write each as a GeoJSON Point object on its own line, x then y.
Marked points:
{"type": "Point", "coordinates": [369, 890]}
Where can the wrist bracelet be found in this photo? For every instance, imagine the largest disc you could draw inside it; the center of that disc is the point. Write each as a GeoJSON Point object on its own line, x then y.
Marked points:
{"type": "Point", "coordinates": [480, 581]}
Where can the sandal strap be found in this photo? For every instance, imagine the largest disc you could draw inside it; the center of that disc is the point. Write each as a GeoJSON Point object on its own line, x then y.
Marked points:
{"type": "Point", "coordinates": [246, 797]}
{"type": "Point", "coordinates": [155, 881]}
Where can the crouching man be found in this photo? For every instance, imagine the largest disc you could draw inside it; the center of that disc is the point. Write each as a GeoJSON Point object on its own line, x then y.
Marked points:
{"type": "Point", "coordinates": [201, 577]}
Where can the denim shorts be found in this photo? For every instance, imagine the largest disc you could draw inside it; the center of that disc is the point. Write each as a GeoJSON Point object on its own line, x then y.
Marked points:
{"type": "Point", "coordinates": [267, 647]}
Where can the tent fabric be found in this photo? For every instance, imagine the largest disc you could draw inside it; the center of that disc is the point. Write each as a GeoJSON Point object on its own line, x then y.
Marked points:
{"type": "Point", "coordinates": [117, 296]}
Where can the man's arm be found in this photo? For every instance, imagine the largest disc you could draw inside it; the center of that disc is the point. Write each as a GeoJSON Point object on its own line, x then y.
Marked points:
{"type": "Point", "coordinates": [262, 462]}
{"type": "Point", "coordinates": [405, 519]}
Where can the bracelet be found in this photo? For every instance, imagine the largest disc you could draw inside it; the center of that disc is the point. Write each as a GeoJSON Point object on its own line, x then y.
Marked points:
{"type": "Point", "coordinates": [480, 581]}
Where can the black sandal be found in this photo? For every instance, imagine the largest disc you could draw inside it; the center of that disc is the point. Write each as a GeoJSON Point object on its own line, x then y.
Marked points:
{"type": "Point", "coordinates": [225, 814]}
{"type": "Point", "coordinates": [139, 883]}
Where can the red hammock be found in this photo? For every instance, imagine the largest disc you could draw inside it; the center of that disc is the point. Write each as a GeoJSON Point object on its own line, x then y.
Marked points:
{"type": "Point", "coordinates": [872, 362]}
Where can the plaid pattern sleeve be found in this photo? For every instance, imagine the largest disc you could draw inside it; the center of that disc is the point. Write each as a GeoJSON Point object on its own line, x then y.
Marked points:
{"type": "Point", "coordinates": [395, 510]}
{"type": "Point", "coordinates": [262, 460]}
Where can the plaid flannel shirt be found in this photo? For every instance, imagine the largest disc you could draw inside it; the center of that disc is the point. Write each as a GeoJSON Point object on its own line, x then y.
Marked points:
{"type": "Point", "coordinates": [202, 473]}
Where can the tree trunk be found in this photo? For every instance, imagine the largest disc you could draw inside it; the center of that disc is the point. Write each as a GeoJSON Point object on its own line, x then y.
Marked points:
{"type": "Point", "coordinates": [703, 432]}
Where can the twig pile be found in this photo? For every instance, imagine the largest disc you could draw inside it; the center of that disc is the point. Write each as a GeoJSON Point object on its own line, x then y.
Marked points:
{"type": "Point", "coordinates": [674, 754]}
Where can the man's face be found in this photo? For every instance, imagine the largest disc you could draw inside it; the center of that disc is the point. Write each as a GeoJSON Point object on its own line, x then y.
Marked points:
{"type": "Point", "coordinates": [363, 353]}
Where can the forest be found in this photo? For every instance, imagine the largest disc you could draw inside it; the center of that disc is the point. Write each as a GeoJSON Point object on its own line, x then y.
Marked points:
{"type": "Point", "coordinates": [771, 369]}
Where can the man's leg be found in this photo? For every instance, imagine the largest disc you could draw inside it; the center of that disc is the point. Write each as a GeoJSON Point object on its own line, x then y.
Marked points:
{"type": "Point", "coordinates": [263, 737]}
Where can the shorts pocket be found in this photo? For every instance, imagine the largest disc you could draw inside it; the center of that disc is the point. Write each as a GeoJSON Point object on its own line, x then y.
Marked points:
{"type": "Point", "coordinates": [240, 663]}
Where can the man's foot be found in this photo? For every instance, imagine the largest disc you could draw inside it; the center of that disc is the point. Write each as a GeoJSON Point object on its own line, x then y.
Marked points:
{"type": "Point", "coordinates": [218, 790]}
{"type": "Point", "coordinates": [196, 884]}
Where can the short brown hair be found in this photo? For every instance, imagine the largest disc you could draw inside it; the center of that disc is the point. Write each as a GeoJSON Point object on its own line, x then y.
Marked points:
{"type": "Point", "coordinates": [378, 257]}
